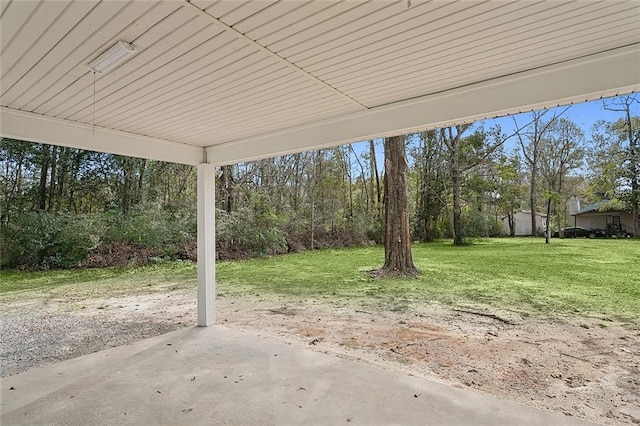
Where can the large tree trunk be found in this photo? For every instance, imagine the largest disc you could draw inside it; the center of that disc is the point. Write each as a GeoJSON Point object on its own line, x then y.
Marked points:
{"type": "Point", "coordinates": [296, 181]}
{"type": "Point", "coordinates": [347, 175]}
{"type": "Point", "coordinates": [52, 180]}
{"type": "Point", "coordinates": [397, 242]}
{"type": "Point", "coordinates": [531, 152]}
{"type": "Point", "coordinates": [375, 174]}
{"type": "Point", "coordinates": [428, 234]}
{"type": "Point", "coordinates": [454, 151]}
{"type": "Point", "coordinates": [44, 174]}
{"type": "Point", "coordinates": [127, 175]}
{"type": "Point", "coordinates": [533, 195]}
{"type": "Point", "coordinates": [226, 188]}
{"type": "Point", "coordinates": [547, 231]}
{"type": "Point", "coordinates": [429, 197]}
{"type": "Point", "coordinates": [63, 174]}
{"type": "Point", "coordinates": [512, 224]}
{"type": "Point", "coordinates": [140, 196]}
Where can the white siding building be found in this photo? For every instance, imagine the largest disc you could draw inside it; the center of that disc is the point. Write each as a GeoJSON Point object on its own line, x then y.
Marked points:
{"type": "Point", "coordinates": [522, 223]}
{"type": "Point", "coordinates": [615, 222]}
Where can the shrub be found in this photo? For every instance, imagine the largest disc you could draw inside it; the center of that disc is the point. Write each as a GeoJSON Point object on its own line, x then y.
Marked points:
{"type": "Point", "coordinates": [44, 240]}
{"type": "Point", "coordinates": [478, 224]}
{"type": "Point", "coordinates": [251, 231]}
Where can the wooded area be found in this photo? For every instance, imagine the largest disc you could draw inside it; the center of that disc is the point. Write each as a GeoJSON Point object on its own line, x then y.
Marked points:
{"type": "Point", "coordinates": [63, 207]}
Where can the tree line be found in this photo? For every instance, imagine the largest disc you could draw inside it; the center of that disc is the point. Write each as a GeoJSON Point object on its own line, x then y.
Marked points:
{"type": "Point", "coordinates": [64, 207]}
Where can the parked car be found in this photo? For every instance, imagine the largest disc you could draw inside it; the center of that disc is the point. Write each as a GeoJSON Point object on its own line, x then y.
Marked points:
{"type": "Point", "coordinates": [577, 231]}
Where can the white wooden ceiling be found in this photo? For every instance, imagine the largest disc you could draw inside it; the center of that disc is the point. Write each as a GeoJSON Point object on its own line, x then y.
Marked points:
{"type": "Point", "coordinates": [245, 79]}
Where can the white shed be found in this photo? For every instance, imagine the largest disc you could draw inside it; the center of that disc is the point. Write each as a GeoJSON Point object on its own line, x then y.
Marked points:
{"type": "Point", "coordinates": [522, 223]}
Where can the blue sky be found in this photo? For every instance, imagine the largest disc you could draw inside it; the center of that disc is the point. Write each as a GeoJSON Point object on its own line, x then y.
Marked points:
{"type": "Point", "coordinates": [585, 115]}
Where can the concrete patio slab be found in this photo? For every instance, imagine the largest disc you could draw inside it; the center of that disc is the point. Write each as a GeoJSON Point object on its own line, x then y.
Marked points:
{"type": "Point", "coordinates": [216, 375]}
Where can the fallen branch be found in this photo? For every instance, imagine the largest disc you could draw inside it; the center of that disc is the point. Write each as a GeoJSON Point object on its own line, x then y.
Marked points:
{"type": "Point", "coordinates": [483, 314]}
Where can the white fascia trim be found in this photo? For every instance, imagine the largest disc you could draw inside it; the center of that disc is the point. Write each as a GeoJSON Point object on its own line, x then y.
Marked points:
{"type": "Point", "coordinates": [605, 74]}
{"type": "Point", "coordinates": [42, 129]}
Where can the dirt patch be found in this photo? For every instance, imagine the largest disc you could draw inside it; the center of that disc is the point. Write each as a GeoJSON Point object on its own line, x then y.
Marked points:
{"type": "Point", "coordinates": [586, 367]}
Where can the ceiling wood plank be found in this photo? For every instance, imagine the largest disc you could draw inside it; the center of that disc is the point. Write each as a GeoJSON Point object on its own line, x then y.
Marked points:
{"type": "Point", "coordinates": [12, 72]}
{"type": "Point", "coordinates": [220, 109]}
{"type": "Point", "coordinates": [257, 127]}
{"type": "Point", "coordinates": [67, 60]}
{"type": "Point", "coordinates": [38, 24]}
{"type": "Point", "coordinates": [229, 79]}
{"type": "Point", "coordinates": [291, 107]}
{"type": "Point", "coordinates": [443, 21]}
{"type": "Point", "coordinates": [35, 82]}
{"type": "Point", "coordinates": [161, 56]}
{"type": "Point", "coordinates": [270, 53]}
{"type": "Point", "coordinates": [246, 10]}
{"type": "Point", "coordinates": [268, 29]}
{"type": "Point", "coordinates": [478, 36]}
{"type": "Point", "coordinates": [467, 71]}
{"type": "Point", "coordinates": [4, 5]}
{"type": "Point", "coordinates": [480, 55]}
{"type": "Point", "coordinates": [147, 37]}
{"type": "Point", "coordinates": [477, 32]}
{"type": "Point", "coordinates": [355, 26]}
{"type": "Point", "coordinates": [219, 8]}
{"type": "Point", "coordinates": [14, 18]}
{"type": "Point", "coordinates": [167, 96]}
{"type": "Point", "coordinates": [193, 110]}
{"type": "Point", "coordinates": [163, 85]}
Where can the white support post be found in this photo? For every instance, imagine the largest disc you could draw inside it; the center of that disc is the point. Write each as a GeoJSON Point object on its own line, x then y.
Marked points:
{"type": "Point", "coordinates": [206, 245]}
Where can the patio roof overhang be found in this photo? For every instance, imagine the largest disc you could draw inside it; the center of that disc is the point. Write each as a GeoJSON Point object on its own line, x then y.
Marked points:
{"type": "Point", "coordinates": [218, 82]}
{"type": "Point", "coordinates": [240, 80]}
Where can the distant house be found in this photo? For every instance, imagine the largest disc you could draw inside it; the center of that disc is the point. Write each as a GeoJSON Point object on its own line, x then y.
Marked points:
{"type": "Point", "coordinates": [522, 223]}
{"type": "Point", "coordinates": [615, 222]}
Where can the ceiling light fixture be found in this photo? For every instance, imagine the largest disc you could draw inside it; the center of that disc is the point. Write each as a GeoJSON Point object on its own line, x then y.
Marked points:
{"type": "Point", "coordinates": [112, 57]}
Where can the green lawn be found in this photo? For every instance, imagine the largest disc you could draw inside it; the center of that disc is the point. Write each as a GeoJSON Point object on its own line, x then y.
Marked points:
{"type": "Point", "coordinates": [586, 277]}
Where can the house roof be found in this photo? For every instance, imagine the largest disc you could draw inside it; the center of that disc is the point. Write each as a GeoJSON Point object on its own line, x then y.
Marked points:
{"type": "Point", "coordinates": [596, 208]}
{"type": "Point", "coordinates": [226, 81]}
{"type": "Point", "coordinates": [590, 208]}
